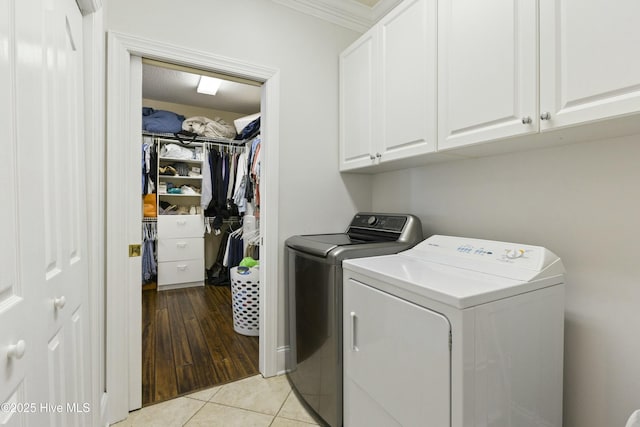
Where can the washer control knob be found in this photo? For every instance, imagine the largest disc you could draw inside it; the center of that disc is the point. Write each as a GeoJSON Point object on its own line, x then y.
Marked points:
{"type": "Point", "coordinates": [372, 220]}
{"type": "Point", "coordinates": [514, 253]}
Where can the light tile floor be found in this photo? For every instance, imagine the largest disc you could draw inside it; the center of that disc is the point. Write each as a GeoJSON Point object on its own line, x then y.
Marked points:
{"type": "Point", "coordinates": [251, 402]}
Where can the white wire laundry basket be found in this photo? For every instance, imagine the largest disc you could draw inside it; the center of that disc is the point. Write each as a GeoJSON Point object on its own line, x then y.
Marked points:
{"type": "Point", "coordinates": [245, 300]}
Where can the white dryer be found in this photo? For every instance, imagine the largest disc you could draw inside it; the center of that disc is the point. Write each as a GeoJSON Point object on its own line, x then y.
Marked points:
{"type": "Point", "coordinates": [455, 332]}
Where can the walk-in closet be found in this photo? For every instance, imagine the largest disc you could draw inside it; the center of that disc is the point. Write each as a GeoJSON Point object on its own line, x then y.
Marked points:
{"type": "Point", "coordinates": [200, 160]}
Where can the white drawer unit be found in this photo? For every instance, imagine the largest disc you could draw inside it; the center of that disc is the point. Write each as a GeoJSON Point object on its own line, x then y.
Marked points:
{"type": "Point", "coordinates": [180, 273]}
{"type": "Point", "coordinates": [180, 251]}
{"type": "Point", "coordinates": [180, 226]}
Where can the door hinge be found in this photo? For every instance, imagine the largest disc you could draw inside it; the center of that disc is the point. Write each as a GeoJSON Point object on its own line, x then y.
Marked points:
{"type": "Point", "coordinates": [450, 341]}
{"type": "Point", "coordinates": [134, 251]}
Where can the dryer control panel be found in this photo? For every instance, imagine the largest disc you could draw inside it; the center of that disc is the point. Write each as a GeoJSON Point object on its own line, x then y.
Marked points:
{"type": "Point", "coordinates": [499, 258]}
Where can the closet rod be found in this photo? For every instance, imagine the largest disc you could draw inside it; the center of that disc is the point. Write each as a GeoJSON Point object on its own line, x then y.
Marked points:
{"type": "Point", "coordinates": [195, 141]}
{"type": "Point", "coordinates": [230, 220]}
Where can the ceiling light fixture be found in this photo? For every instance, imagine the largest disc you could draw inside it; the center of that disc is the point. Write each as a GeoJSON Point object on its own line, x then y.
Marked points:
{"type": "Point", "coordinates": [208, 85]}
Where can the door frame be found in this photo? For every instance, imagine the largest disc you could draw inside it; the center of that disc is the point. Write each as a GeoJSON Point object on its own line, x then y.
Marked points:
{"type": "Point", "coordinates": [123, 224]}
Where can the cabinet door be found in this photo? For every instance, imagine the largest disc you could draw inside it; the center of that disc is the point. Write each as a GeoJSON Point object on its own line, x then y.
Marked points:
{"type": "Point", "coordinates": [357, 100]}
{"type": "Point", "coordinates": [487, 70]}
{"type": "Point", "coordinates": [408, 80]}
{"type": "Point", "coordinates": [589, 66]}
{"type": "Point", "coordinates": [396, 361]}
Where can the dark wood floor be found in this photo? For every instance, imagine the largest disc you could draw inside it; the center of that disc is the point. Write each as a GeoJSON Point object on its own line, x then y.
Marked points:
{"type": "Point", "coordinates": [188, 342]}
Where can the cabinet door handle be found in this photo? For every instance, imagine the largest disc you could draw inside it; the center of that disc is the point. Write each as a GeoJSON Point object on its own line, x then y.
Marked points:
{"type": "Point", "coordinates": [378, 155]}
{"type": "Point", "coordinates": [181, 245]}
{"type": "Point", "coordinates": [16, 351]}
{"type": "Point", "coordinates": [354, 341]}
{"type": "Point", "coordinates": [545, 116]}
{"type": "Point", "coordinates": [60, 302]}
{"type": "Point", "coordinates": [182, 267]}
{"type": "Point", "coordinates": [181, 222]}
{"type": "Point", "coordinates": [526, 120]}
{"type": "Point", "coordinates": [372, 157]}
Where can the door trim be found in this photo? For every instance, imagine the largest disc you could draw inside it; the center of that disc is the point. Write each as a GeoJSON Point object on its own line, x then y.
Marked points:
{"type": "Point", "coordinates": [123, 225]}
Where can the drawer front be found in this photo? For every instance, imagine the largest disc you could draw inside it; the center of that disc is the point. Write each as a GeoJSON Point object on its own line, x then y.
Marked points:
{"type": "Point", "coordinates": [170, 272]}
{"type": "Point", "coordinates": [180, 249]}
{"type": "Point", "coordinates": [176, 226]}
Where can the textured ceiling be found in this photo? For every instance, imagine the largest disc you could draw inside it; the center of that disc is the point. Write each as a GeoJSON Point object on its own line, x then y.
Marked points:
{"type": "Point", "coordinates": [179, 87]}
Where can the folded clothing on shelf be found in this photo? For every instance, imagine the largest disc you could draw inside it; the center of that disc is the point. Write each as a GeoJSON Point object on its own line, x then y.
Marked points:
{"type": "Point", "coordinates": [175, 151]}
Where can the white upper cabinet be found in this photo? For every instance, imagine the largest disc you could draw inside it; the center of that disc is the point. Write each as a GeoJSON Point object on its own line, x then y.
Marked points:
{"type": "Point", "coordinates": [487, 70]}
{"type": "Point", "coordinates": [357, 103]}
{"type": "Point", "coordinates": [388, 89]}
{"type": "Point", "coordinates": [408, 99]}
{"type": "Point", "coordinates": [492, 54]}
{"type": "Point", "coordinates": [589, 62]}
{"type": "Point", "coordinates": [468, 77]}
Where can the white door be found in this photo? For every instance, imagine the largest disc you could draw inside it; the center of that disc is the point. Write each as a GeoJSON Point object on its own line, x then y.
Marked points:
{"type": "Point", "coordinates": [589, 66]}
{"type": "Point", "coordinates": [397, 361]}
{"type": "Point", "coordinates": [487, 70]}
{"type": "Point", "coordinates": [16, 295]}
{"type": "Point", "coordinates": [408, 81]}
{"type": "Point", "coordinates": [44, 292]}
{"type": "Point", "coordinates": [357, 101]}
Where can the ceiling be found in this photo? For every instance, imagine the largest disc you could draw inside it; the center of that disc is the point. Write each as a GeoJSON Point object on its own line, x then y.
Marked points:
{"type": "Point", "coordinates": [169, 85]}
{"type": "Point", "coordinates": [179, 87]}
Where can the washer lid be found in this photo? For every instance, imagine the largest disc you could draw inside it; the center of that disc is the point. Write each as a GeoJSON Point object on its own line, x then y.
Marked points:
{"type": "Point", "coordinates": [320, 244]}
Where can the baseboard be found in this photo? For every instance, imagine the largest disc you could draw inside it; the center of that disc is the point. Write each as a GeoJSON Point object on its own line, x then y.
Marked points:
{"type": "Point", "coordinates": [283, 352]}
{"type": "Point", "coordinates": [104, 415]}
{"type": "Point", "coordinates": [180, 286]}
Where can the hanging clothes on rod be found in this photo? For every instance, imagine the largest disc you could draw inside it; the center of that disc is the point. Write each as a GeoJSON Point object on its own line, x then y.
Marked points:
{"type": "Point", "coordinates": [235, 249]}
{"type": "Point", "coordinates": [149, 165]}
{"type": "Point", "coordinates": [149, 237]}
{"type": "Point", "coordinates": [221, 168]}
{"type": "Point", "coordinates": [215, 247]}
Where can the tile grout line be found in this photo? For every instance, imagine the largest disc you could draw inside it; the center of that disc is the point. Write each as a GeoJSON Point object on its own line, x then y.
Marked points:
{"type": "Point", "coordinates": [194, 414]}
{"type": "Point", "coordinates": [280, 409]}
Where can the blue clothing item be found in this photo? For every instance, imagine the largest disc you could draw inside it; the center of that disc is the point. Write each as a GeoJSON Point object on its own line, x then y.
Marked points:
{"type": "Point", "coordinates": [161, 121]}
{"type": "Point", "coordinates": [250, 130]}
{"type": "Point", "coordinates": [149, 266]}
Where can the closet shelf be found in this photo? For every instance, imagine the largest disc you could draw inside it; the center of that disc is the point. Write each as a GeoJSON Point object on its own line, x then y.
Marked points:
{"type": "Point", "coordinates": [174, 160]}
{"type": "Point", "coordinates": [165, 178]}
{"type": "Point", "coordinates": [178, 195]}
{"type": "Point", "coordinates": [195, 140]}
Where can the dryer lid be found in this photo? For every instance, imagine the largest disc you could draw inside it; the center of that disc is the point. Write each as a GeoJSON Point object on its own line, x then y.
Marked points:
{"type": "Point", "coordinates": [462, 272]}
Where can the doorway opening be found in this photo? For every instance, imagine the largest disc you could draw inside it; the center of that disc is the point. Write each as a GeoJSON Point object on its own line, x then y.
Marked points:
{"type": "Point", "coordinates": [201, 156]}
{"type": "Point", "coordinates": [123, 296]}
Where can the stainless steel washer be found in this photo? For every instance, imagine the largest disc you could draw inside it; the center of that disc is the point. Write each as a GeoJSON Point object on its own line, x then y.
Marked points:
{"type": "Point", "coordinates": [314, 315]}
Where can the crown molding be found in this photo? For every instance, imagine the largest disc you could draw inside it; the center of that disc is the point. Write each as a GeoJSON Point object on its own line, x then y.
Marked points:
{"type": "Point", "coordinates": [87, 7]}
{"type": "Point", "coordinates": [382, 8]}
{"type": "Point", "coordinates": [346, 13]}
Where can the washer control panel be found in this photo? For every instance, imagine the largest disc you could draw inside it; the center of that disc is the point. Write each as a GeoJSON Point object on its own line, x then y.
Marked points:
{"type": "Point", "coordinates": [379, 222]}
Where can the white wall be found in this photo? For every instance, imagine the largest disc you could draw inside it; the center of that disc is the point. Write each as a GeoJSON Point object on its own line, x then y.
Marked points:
{"type": "Point", "coordinates": [314, 197]}
{"type": "Point", "coordinates": [581, 201]}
